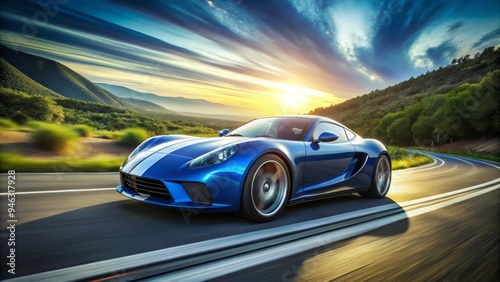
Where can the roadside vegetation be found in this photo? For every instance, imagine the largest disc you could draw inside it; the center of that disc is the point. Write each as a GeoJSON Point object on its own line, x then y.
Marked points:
{"type": "Point", "coordinates": [132, 137]}
{"type": "Point", "coordinates": [63, 164]}
{"type": "Point", "coordinates": [60, 139]}
{"type": "Point", "coordinates": [53, 137]}
{"type": "Point", "coordinates": [457, 102]}
{"type": "Point", "coordinates": [7, 124]}
{"type": "Point", "coordinates": [402, 158]}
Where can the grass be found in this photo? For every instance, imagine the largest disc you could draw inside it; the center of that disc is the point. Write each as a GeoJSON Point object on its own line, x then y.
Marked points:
{"type": "Point", "coordinates": [471, 154]}
{"type": "Point", "coordinates": [106, 134]}
{"type": "Point", "coordinates": [83, 130]}
{"type": "Point", "coordinates": [53, 137]}
{"type": "Point", "coordinates": [133, 137]}
{"type": "Point", "coordinates": [64, 164]}
{"type": "Point", "coordinates": [401, 158]}
{"type": "Point", "coordinates": [7, 124]}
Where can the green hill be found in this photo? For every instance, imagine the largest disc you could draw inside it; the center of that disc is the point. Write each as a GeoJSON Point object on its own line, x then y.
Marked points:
{"type": "Point", "coordinates": [12, 78]}
{"type": "Point", "coordinates": [145, 105]}
{"type": "Point", "coordinates": [58, 78]}
{"type": "Point", "coordinates": [455, 102]}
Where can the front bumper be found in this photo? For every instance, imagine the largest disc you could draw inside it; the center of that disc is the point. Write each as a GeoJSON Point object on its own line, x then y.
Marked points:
{"type": "Point", "coordinates": [204, 197]}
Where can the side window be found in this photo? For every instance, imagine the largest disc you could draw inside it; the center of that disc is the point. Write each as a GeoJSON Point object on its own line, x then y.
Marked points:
{"type": "Point", "coordinates": [350, 134]}
{"type": "Point", "coordinates": [330, 127]}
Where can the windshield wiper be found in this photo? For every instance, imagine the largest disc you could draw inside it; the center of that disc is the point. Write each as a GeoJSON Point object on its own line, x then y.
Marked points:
{"type": "Point", "coordinates": [264, 135]}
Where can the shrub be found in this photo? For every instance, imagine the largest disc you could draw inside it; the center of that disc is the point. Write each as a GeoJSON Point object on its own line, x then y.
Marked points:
{"type": "Point", "coordinates": [20, 118]}
{"type": "Point", "coordinates": [133, 137]}
{"type": "Point", "coordinates": [83, 130]}
{"type": "Point", "coordinates": [106, 134]}
{"type": "Point", "coordinates": [7, 124]}
{"type": "Point", "coordinates": [397, 153]}
{"type": "Point", "coordinates": [53, 137]}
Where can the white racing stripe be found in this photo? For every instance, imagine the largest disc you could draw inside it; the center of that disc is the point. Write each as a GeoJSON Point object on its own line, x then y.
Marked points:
{"type": "Point", "coordinates": [155, 154]}
{"type": "Point", "coordinates": [61, 191]}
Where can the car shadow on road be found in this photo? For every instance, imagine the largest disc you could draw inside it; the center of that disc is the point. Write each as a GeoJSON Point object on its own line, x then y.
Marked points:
{"type": "Point", "coordinates": [127, 227]}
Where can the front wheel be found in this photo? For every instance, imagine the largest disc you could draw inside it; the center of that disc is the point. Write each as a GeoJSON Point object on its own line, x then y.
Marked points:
{"type": "Point", "coordinates": [266, 189]}
{"type": "Point", "coordinates": [381, 179]}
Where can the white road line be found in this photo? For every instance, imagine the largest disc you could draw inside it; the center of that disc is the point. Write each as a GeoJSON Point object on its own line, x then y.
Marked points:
{"type": "Point", "coordinates": [419, 169]}
{"type": "Point", "coordinates": [483, 162]}
{"type": "Point", "coordinates": [234, 264]}
{"type": "Point", "coordinates": [81, 272]}
{"type": "Point", "coordinates": [462, 160]}
{"type": "Point", "coordinates": [61, 191]}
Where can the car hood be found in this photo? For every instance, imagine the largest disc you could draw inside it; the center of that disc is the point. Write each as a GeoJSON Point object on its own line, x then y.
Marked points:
{"type": "Point", "coordinates": [193, 147]}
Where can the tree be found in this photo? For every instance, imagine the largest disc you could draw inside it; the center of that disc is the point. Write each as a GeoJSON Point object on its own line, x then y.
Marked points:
{"type": "Point", "coordinates": [422, 130]}
{"type": "Point", "coordinates": [454, 61]}
{"type": "Point", "coordinates": [486, 106]}
{"type": "Point", "coordinates": [380, 132]}
{"type": "Point", "coordinates": [487, 51]}
{"type": "Point", "coordinates": [399, 132]}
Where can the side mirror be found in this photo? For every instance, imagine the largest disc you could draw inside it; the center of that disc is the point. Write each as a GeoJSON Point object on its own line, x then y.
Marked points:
{"type": "Point", "coordinates": [326, 137]}
{"type": "Point", "coordinates": [224, 132]}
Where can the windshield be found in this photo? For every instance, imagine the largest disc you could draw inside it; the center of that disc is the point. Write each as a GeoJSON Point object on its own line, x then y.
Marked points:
{"type": "Point", "coordinates": [289, 128]}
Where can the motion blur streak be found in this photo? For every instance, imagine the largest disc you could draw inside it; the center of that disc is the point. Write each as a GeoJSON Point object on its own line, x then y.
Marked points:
{"type": "Point", "coordinates": [238, 263]}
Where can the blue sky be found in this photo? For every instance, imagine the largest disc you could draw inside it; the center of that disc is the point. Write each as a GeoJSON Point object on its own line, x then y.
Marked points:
{"type": "Point", "coordinates": [276, 56]}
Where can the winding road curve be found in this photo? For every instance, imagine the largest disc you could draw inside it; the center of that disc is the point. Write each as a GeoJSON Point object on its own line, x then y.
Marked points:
{"type": "Point", "coordinates": [439, 223]}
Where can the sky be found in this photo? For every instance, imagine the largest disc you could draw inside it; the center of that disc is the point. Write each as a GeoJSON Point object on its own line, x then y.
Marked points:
{"type": "Point", "coordinates": [271, 56]}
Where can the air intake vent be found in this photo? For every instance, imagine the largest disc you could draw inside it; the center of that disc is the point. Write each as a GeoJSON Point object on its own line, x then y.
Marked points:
{"type": "Point", "coordinates": [148, 186]}
{"type": "Point", "coordinates": [198, 192]}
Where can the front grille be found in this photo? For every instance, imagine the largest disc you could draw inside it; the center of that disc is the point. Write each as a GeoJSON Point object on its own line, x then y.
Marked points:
{"type": "Point", "coordinates": [148, 186]}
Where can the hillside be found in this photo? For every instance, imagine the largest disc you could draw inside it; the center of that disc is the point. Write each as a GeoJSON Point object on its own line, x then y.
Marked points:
{"type": "Point", "coordinates": [452, 103]}
{"type": "Point", "coordinates": [186, 106]}
{"type": "Point", "coordinates": [58, 78]}
{"type": "Point", "coordinates": [12, 78]}
{"type": "Point", "coordinates": [145, 105]}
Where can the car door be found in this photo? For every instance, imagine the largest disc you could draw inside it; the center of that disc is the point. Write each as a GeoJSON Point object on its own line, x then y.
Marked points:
{"type": "Point", "coordinates": [326, 162]}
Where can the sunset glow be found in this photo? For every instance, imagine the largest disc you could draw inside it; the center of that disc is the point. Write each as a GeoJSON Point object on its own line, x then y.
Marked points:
{"type": "Point", "coordinates": [267, 57]}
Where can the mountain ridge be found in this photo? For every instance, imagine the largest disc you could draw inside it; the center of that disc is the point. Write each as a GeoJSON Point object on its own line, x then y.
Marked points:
{"type": "Point", "coordinates": [180, 105]}
{"type": "Point", "coordinates": [58, 77]}
{"type": "Point", "coordinates": [11, 77]}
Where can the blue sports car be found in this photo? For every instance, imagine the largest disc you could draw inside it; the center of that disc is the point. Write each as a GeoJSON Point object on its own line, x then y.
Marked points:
{"type": "Point", "coordinates": [258, 168]}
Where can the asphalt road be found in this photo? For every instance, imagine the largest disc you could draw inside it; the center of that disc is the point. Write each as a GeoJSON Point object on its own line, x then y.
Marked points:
{"type": "Point", "coordinates": [75, 219]}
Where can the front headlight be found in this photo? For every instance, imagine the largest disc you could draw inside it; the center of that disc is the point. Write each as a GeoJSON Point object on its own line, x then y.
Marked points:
{"type": "Point", "coordinates": [215, 157]}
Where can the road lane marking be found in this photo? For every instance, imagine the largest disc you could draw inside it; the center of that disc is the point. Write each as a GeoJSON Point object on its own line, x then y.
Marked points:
{"type": "Point", "coordinates": [216, 269]}
{"type": "Point", "coordinates": [83, 272]}
{"type": "Point", "coordinates": [426, 167]}
{"type": "Point", "coordinates": [462, 160]}
{"type": "Point", "coordinates": [61, 191]}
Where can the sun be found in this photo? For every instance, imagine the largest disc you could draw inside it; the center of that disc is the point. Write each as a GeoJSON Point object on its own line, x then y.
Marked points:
{"type": "Point", "coordinates": [293, 99]}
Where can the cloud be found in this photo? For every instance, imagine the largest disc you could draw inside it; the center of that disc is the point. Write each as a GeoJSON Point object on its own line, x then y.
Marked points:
{"type": "Point", "coordinates": [440, 55]}
{"type": "Point", "coordinates": [455, 27]}
{"type": "Point", "coordinates": [488, 38]}
{"type": "Point", "coordinates": [343, 48]}
{"type": "Point", "coordinates": [397, 28]}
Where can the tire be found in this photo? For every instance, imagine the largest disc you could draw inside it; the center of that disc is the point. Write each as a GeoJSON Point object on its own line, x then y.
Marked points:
{"type": "Point", "coordinates": [381, 179]}
{"type": "Point", "coordinates": [265, 190]}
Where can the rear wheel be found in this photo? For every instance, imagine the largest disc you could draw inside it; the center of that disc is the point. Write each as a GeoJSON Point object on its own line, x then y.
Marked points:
{"type": "Point", "coordinates": [381, 179]}
{"type": "Point", "coordinates": [266, 189]}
